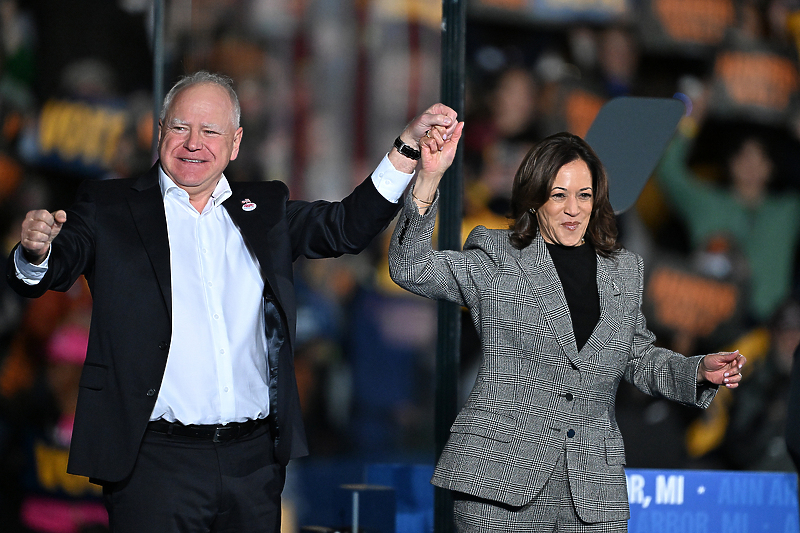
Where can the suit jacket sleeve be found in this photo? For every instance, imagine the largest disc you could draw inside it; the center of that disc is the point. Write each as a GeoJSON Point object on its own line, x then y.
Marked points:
{"type": "Point", "coordinates": [450, 275]}
{"type": "Point", "coordinates": [660, 372]}
{"type": "Point", "coordinates": [329, 229]}
{"type": "Point", "coordinates": [71, 253]}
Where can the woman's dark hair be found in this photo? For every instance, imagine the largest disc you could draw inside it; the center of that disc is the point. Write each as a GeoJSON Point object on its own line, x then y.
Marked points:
{"type": "Point", "coordinates": [534, 181]}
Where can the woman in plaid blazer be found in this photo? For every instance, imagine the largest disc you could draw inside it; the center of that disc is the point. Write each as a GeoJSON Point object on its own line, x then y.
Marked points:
{"type": "Point", "coordinates": [557, 304]}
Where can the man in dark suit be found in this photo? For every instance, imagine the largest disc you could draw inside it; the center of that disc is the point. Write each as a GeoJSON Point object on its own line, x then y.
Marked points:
{"type": "Point", "coordinates": [188, 410]}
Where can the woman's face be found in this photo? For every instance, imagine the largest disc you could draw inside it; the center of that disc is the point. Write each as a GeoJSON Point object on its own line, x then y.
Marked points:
{"type": "Point", "coordinates": [564, 217]}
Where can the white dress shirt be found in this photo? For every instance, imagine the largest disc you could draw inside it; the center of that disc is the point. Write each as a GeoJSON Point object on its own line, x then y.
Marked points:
{"type": "Point", "coordinates": [216, 370]}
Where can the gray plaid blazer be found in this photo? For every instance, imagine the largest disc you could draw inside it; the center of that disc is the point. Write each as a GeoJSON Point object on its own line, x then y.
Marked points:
{"type": "Point", "coordinates": [536, 396]}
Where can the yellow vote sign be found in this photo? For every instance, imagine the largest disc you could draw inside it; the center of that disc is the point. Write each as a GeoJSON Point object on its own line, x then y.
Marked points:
{"type": "Point", "coordinates": [80, 132]}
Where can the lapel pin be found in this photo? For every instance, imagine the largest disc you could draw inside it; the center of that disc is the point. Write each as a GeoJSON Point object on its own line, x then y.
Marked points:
{"type": "Point", "coordinates": [247, 205]}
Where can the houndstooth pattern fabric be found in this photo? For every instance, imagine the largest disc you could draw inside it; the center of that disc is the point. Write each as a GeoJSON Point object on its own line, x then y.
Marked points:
{"type": "Point", "coordinates": [536, 395]}
{"type": "Point", "coordinates": [551, 511]}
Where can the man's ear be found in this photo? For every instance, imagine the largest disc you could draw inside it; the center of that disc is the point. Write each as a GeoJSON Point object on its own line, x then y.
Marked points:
{"type": "Point", "coordinates": [237, 140]}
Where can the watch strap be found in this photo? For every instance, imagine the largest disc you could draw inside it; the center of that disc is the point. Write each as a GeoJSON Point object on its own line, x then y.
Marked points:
{"type": "Point", "coordinates": [406, 150]}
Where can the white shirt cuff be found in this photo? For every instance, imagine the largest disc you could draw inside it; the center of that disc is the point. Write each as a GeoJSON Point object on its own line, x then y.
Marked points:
{"type": "Point", "coordinates": [389, 181]}
{"type": "Point", "coordinates": [28, 272]}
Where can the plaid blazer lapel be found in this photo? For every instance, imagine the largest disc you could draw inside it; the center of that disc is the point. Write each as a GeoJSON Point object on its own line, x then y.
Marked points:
{"type": "Point", "coordinates": [610, 309]}
{"type": "Point", "coordinates": [546, 289]}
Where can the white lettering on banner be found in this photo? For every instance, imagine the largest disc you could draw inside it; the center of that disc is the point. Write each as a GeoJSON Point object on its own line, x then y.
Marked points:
{"type": "Point", "coordinates": [636, 491]}
{"type": "Point", "coordinates": [708, 502]}
{"type": "Point", "coordinates": [669, 490]}
{"type": "Point", "coordinates": [740, 490]}
{"type": "Point", "coordinates": [735, 523]}
{"type": "Point", "coordinates": [672, 521]}
{"type": "Point", "coordinates": [781, 494]}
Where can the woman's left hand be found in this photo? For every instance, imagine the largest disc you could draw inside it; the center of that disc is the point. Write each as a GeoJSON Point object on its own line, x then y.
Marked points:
{"type": "Point", "coordinates": [722, 368]}
{"type": "Point", "coordinates": [438, 151]}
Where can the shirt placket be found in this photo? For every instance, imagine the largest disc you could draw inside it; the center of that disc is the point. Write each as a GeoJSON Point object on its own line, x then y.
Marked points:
{"type": "Point", "coordinates": [212, 264]}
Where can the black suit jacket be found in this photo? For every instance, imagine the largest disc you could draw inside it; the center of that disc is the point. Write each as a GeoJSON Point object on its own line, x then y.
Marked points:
{"type": "Point", "coordinates": [116, 236]}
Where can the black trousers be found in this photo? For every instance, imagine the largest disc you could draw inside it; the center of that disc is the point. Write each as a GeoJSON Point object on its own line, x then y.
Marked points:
{"type": "Point", "coordinates": [190, 485]}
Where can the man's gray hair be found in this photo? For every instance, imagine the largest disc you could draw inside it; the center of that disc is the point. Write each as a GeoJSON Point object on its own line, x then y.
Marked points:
{"type": "Point", "coordinates": [199, 78]}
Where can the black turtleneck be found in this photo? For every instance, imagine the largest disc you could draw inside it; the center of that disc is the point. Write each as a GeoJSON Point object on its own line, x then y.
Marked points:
{"type": "Point", "coordinates": [577, 270]}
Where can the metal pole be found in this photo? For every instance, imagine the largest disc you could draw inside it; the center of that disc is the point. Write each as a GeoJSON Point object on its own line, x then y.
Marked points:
{"type": "Point", "coordinates": [355, 512]}
{"type": "Point", "coordinates": [158, 68]}
{"type": "Point", "coordinates": [450, 214]}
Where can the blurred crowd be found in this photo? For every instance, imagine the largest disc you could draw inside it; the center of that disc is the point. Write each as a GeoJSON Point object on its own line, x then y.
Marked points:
{"type": "Point", "coordinates": [324, 88]}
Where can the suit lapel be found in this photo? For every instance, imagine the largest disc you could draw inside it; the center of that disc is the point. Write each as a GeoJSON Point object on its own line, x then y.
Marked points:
{"type": "Point", "coordinates": [535, 261]}
{"type": "Point", "coordinates": [540, 271]}
{"type": "Point", "coordinates": [255, 215]}
{"type": "Point", "coordinates": [610, 308]}
{"type": "Point", "coordinates": [147, 208]}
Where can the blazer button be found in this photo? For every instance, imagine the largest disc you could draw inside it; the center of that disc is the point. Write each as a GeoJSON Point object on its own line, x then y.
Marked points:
{"type": "Point", "coordinates": [163, 345]}
{"type": "Point", "coordinates": [152, 392]}
{"type": "Point", "coordinates": [569, 396]}
{"type": "Point", "coordinates": [571, 433]}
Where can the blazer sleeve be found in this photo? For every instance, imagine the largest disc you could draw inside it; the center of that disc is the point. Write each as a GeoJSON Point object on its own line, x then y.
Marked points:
{"type": "Point", "coordinates": [658, 371]}
{"type": "Point", "coordinates": [71, 251]}
{"type": "Point", "coordinates": [329, 229]}
{"type": "Point", "coordinates": [451, 275]}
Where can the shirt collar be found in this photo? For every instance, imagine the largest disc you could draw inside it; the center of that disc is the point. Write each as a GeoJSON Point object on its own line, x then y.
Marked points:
{"type": "Point", "coordinates": [221, 192]}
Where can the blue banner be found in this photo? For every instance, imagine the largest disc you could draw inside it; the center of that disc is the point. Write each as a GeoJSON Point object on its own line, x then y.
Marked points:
{"type": "Point", "coordinates": [698, 501]}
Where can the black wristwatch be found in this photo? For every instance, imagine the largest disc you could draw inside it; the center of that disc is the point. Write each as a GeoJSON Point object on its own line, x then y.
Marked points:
{"type": "Point", "coordinates": [406, 150]}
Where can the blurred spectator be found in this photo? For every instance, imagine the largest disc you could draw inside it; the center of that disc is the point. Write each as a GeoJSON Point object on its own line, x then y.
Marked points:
{"type": "Point", "coordinates": [513, 108]}
{"type": "Point", "coordinates": [618, 61]}
{"type": "Point", "coordinates": [755, 431]}
{"type": "Point", "coordinates": [792, 422]}
{"type": "Point", "coordinates": [363, 362]}
{"type": "Point", "coordinates": [503, 128]}
{"type": "Point", "coordinates": [100, 29]}
{"type": "Point", "coordinates": [742, 211]}
{"type": "Point", "coordinates": [19, 41]}
{"type": "Point", "coordinates": [36, 394]}
{"type": "Point", "coordinates": [54, 501]}
{"type": "Point", "coordinates": [24, 361]}
{"type": "Point", "coordinates": [607, 57]}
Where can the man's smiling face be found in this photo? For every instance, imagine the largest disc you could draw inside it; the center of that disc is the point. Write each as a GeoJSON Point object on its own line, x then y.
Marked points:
{"type": "Point", "coordinates": [198, 138]}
